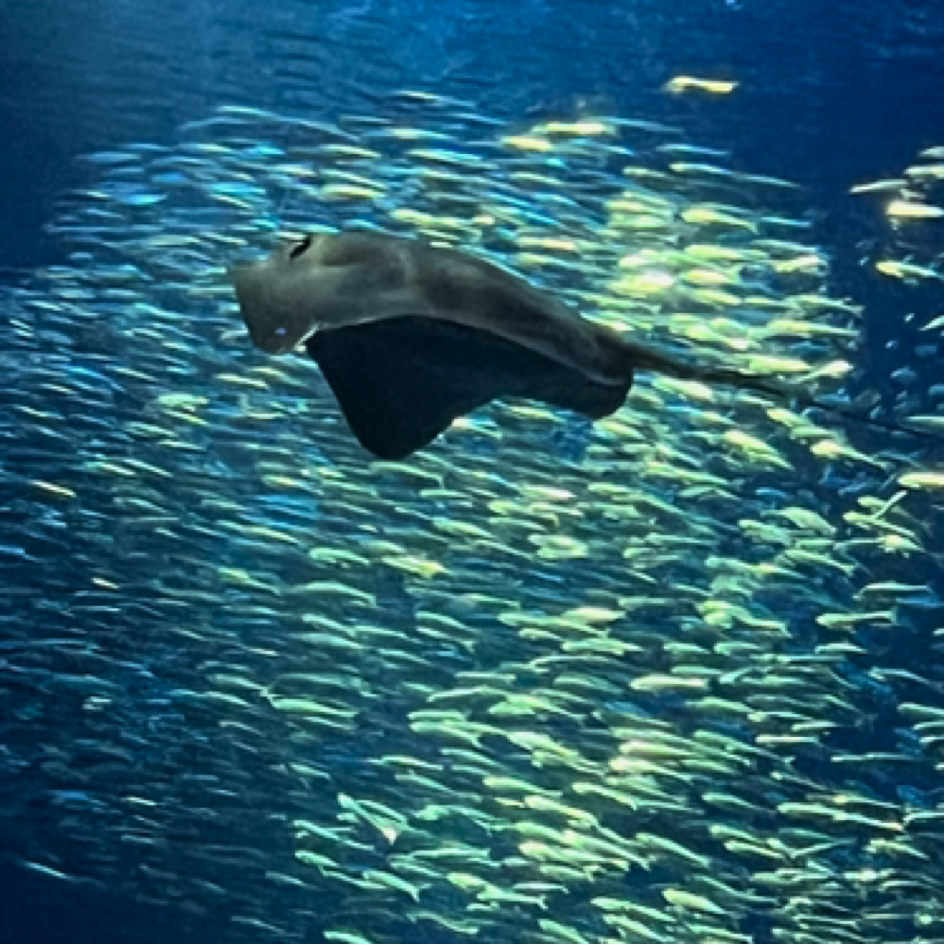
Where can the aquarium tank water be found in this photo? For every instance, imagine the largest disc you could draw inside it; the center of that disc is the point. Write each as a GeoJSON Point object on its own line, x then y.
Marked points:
{"type": "Point", "coordinates": [448, 610]}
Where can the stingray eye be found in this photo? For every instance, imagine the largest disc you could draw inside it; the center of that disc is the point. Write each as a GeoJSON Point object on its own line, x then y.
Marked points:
{"type": "Point", "coordinates": [299, 249]}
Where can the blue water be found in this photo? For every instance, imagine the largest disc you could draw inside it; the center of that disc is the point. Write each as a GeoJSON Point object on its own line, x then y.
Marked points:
{"type": "Point", "coordinates": [831, 95]}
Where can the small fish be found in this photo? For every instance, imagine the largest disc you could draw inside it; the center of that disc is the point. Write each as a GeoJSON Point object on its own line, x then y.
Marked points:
{"type": "Point", "coordinates": [686, 83]}
{"type": "Point", "coordinates": [905, 270]}
{"type": "Point", "coordinates": [910, 210]}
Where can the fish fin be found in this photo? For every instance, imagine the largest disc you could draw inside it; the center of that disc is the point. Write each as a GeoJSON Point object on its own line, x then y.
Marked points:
{"type": "Point", "coordinates": [400, 382]}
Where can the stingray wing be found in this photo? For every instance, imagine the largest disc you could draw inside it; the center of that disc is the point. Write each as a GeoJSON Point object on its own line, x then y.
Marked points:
{"type": "Point", "coordinates": [400, 382]}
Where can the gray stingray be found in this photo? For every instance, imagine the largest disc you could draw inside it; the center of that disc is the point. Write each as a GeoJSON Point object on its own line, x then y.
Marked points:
{"type": "Point", "coordinates": [410, 336]}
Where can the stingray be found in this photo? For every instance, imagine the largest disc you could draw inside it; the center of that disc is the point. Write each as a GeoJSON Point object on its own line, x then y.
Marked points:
{"type": "Point", "coordinates": [411, 336]}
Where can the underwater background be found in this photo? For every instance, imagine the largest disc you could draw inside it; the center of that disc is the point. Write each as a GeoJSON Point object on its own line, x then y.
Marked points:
{"type": "Point", "coordinates": [676, 676]}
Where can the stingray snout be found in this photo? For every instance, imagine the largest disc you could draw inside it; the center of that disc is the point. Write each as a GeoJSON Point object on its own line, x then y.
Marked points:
{"type": "Point", "coordinates": [267, 327]}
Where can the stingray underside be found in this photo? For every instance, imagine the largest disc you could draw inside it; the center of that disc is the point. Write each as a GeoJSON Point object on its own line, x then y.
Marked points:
{"type": "Point", "coordinates": [401, 381]}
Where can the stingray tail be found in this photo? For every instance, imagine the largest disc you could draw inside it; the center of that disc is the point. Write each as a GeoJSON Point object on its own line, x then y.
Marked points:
{"type": "Point", "coordinates": [848, 413]}
{"type": "Point", "coordinates": [791, 395]}
{"type": "Point", "coordinates": [649, 359]}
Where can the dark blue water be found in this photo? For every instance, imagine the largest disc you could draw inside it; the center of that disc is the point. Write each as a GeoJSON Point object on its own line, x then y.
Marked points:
{"type": "Point", "coordinates": [43, 911]}
{"type": "Point", "coordinates": [831, 94]}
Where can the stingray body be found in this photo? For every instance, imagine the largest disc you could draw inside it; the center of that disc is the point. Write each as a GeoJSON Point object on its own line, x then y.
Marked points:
{"type": "Point", "coordinates": [411, 336]}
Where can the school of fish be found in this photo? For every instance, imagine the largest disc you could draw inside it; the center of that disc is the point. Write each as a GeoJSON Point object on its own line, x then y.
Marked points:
{"type": "Point", "coordinates": [675, 677]}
